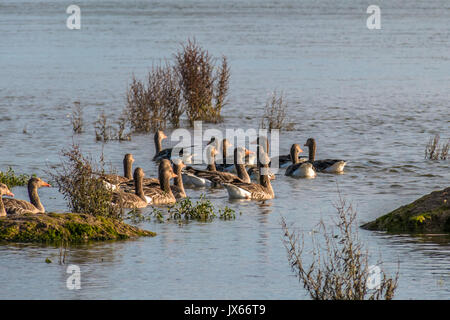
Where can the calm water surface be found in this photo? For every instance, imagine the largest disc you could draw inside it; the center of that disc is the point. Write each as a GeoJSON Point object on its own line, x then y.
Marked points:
{"type": "Point", "coordinates": [371, 97]}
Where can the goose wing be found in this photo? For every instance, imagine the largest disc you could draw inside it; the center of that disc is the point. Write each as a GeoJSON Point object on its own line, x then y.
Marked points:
{"type": "Point", "coordinates": [128, 200]}
{"type": "Point", "coordinates": [329, 165]}
{"type": "Point", "coordinates": [248, 191]}
{"type": "Point", "coordinates": [159, 196]}
{"type": "Point", "coordinates": [17, 206]}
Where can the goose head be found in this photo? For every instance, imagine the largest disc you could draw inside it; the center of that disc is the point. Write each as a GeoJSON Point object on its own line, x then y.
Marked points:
{"type": "Point", "coordinates": [127, 165]}
{"type": "Point", "coordinates": [240, 153]}
{"type": "Point", "coordinates": [4, 190]}
{"type": "Point", "coordinates": [36, 182]}
{"type": "Point", "coordinates": [178, 165]}
{"type": "Point", "coordinates": [295, 150]}
{"type": "Point", "coordinates": [310, 142]}
{"type": "Point", "coordinates": [160, 135]}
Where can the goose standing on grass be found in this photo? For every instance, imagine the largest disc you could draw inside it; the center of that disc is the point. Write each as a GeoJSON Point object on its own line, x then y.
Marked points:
{"type": "Point", "coordinates": [167, 153]}
{"type": "Point", "coordinates": [299, 169]}
{"type": "Point", "coordinates": [112, 181]}
{"type": "Point", "coordinates": [133, 200]}
{"type": "Point", "coordinates": [254, 191]}
{"type": "Point", "coordinates": [4, 191]}
{"type": "Point", "coordinates": [216, 178]}
{"type": "Point", "coordinates": [16, 206]}
{"type": "Point", "coordinates": [162, 194]}
{"type": "Point", "coordinates": [327, 165]}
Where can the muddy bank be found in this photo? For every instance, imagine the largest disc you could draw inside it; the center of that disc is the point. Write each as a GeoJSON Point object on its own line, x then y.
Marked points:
{"type": "Point", "coordinates": [429, 214]}
{"type": "Point", "coordinates": [69, 227]}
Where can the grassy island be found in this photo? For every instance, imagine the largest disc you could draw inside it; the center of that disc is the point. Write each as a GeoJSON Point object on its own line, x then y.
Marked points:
{"type": "Point", "coordinates": [429, 214]}
{"type": "Point", "coordinates": [70, 227]}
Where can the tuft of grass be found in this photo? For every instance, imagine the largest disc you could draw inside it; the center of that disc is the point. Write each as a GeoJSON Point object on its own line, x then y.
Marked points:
{"type": "Point", "coordinates": [76, 118]}
{"type": "Point", "coordinates": [339, 269]}
{"type": "Point", "coordinates": [106, 132]}
{"type": "Point", "coordinates": [78, 180]}
{"type": "Point", "coordinates": [202, 210]}
{"type": "Point", "coordinates": [435, 151]}
{"type": "Point", "coordinates": [11, 179]}
{"type": "Point", "coordinates": [275, 113]}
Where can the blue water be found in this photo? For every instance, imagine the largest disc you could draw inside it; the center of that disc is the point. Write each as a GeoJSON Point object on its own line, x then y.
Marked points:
{"type": "Point", "coordinates": [373, 97]}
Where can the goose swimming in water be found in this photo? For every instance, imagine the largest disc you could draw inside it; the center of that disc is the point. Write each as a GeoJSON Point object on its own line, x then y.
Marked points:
{"type": "Point", "coordinates": [4, 191]}
{"type": "Point", "coordinates": [283, 160]}
{"type": "Point", "coordinates": [167, 153]}
{"type": "Point", "coordinates": [16, 206]}
{"type": "Point", "coordinates": [299, 169]}
{"type": "Point", "coordinates": [177, 187]}
{"type": "Point", "coordinates": [133, 200]}
{"type": "Point", "coordinates": [254, 191]}
{"type": "Point", "coordinates": [112, 181]}
{"type": "Point", "coordinates": [327, 165]}
{"type": "Point", "coordinates": [162, 194]}
{"type": "Point", "coordinates": [214, 178]}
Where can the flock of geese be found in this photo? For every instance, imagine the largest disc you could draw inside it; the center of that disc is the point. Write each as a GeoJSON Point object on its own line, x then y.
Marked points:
{"type": "Point", "coordinates": [236, 174]}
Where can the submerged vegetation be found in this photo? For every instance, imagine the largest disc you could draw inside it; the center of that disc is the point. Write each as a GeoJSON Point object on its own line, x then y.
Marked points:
{"type": "Point", "coordinates": [274, 116]}
{"type": "Point", "coordinates": [435, 151]}
{"type": "Point", "coordinates": [193, 86]}
{"type": "Point", "coordinates": [184, 211]}
{"type": "Point", "coordinates": [77, 118]}
{"type": "Point", "coordinates": [67, 227]}
{"type": "Point", "coordinates": [105, 132]}
{"type": "Point", "coordinates": [11, 179]}
{"type": "Point", "coordinates": [429, 214]}
{"type": "Point", "coordinates": [80, 185]}
{"type": "Point", "coordinates": [339, 269]}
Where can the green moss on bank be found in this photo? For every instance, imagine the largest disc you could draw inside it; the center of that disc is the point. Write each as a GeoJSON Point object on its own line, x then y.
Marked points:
{"type": "Point", "coordinates": [72, 227]}
{"type": "Point", "coordinates": [429, 214]}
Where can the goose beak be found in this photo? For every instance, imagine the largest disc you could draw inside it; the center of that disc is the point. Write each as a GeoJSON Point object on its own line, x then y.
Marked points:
{"type": "Point", "coordinates": [173, 175]}
{"type": "Point", "coordinates": [45, 184]}
{"type": "Point", "coordinates": [9, 193]}
{"type": "Point", "coordinates": [163, 136]}
{"type": "Point", "coordinates": [248, 152]}
{"type": "Point", "coordinates": [300, 150]}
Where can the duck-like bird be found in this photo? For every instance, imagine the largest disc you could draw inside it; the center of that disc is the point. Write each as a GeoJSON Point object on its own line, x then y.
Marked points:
{"type": "Point", "coordinates": [162, 194]}
{"type": "Point", "coordinates": [327, 165]}
{"type": "Point", "coordinates": [214, 178]}
{"type": "Point", "coordinates": [167, 153]}
{"type": "Point", "coordinates": [16, 206]}
{"type": "Point", "coordinates": [283, 160]}
{"type": "Point", "coordinates": [177, 187]}
{"type": "Point", "coordinates": [297, 168]}
{"type": "Point", "coordinates": [4, 191]}
{"type": "Point", "coordinates": [112, 181]}
{"type": "Point", "coordinates": [254, 191]}
{"type": "Point", "coordinates": [133, 200]}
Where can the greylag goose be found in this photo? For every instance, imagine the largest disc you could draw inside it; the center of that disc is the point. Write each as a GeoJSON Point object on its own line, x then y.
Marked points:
{"type": "Point", "coordinates": [167, 153]}
{"type": "Point", "coordinates": [133, 200]}
{"type": "Point", "coordinates": [177, 187]}
{"type": "Point", "coordinates": [254, 191]}
{"type": "Point", "coordinates": [299, 169]}
{"type": "Point", "coordinates": [4, 191]}
{"type": "Point", "coordinates": [215, 178]}
{"type": "Point", "coordinates": [162, 194]}
{"type": "Point", "coordinates": [16, 206]}
{"type": "Point", "coordinates": [113, 180]}
{"type": "Point", "coordinates": [283, 160]}
{"type": "Point", "coordinates": [227, 164]}
{"type": "Point", "coordinates": [327, 165]}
